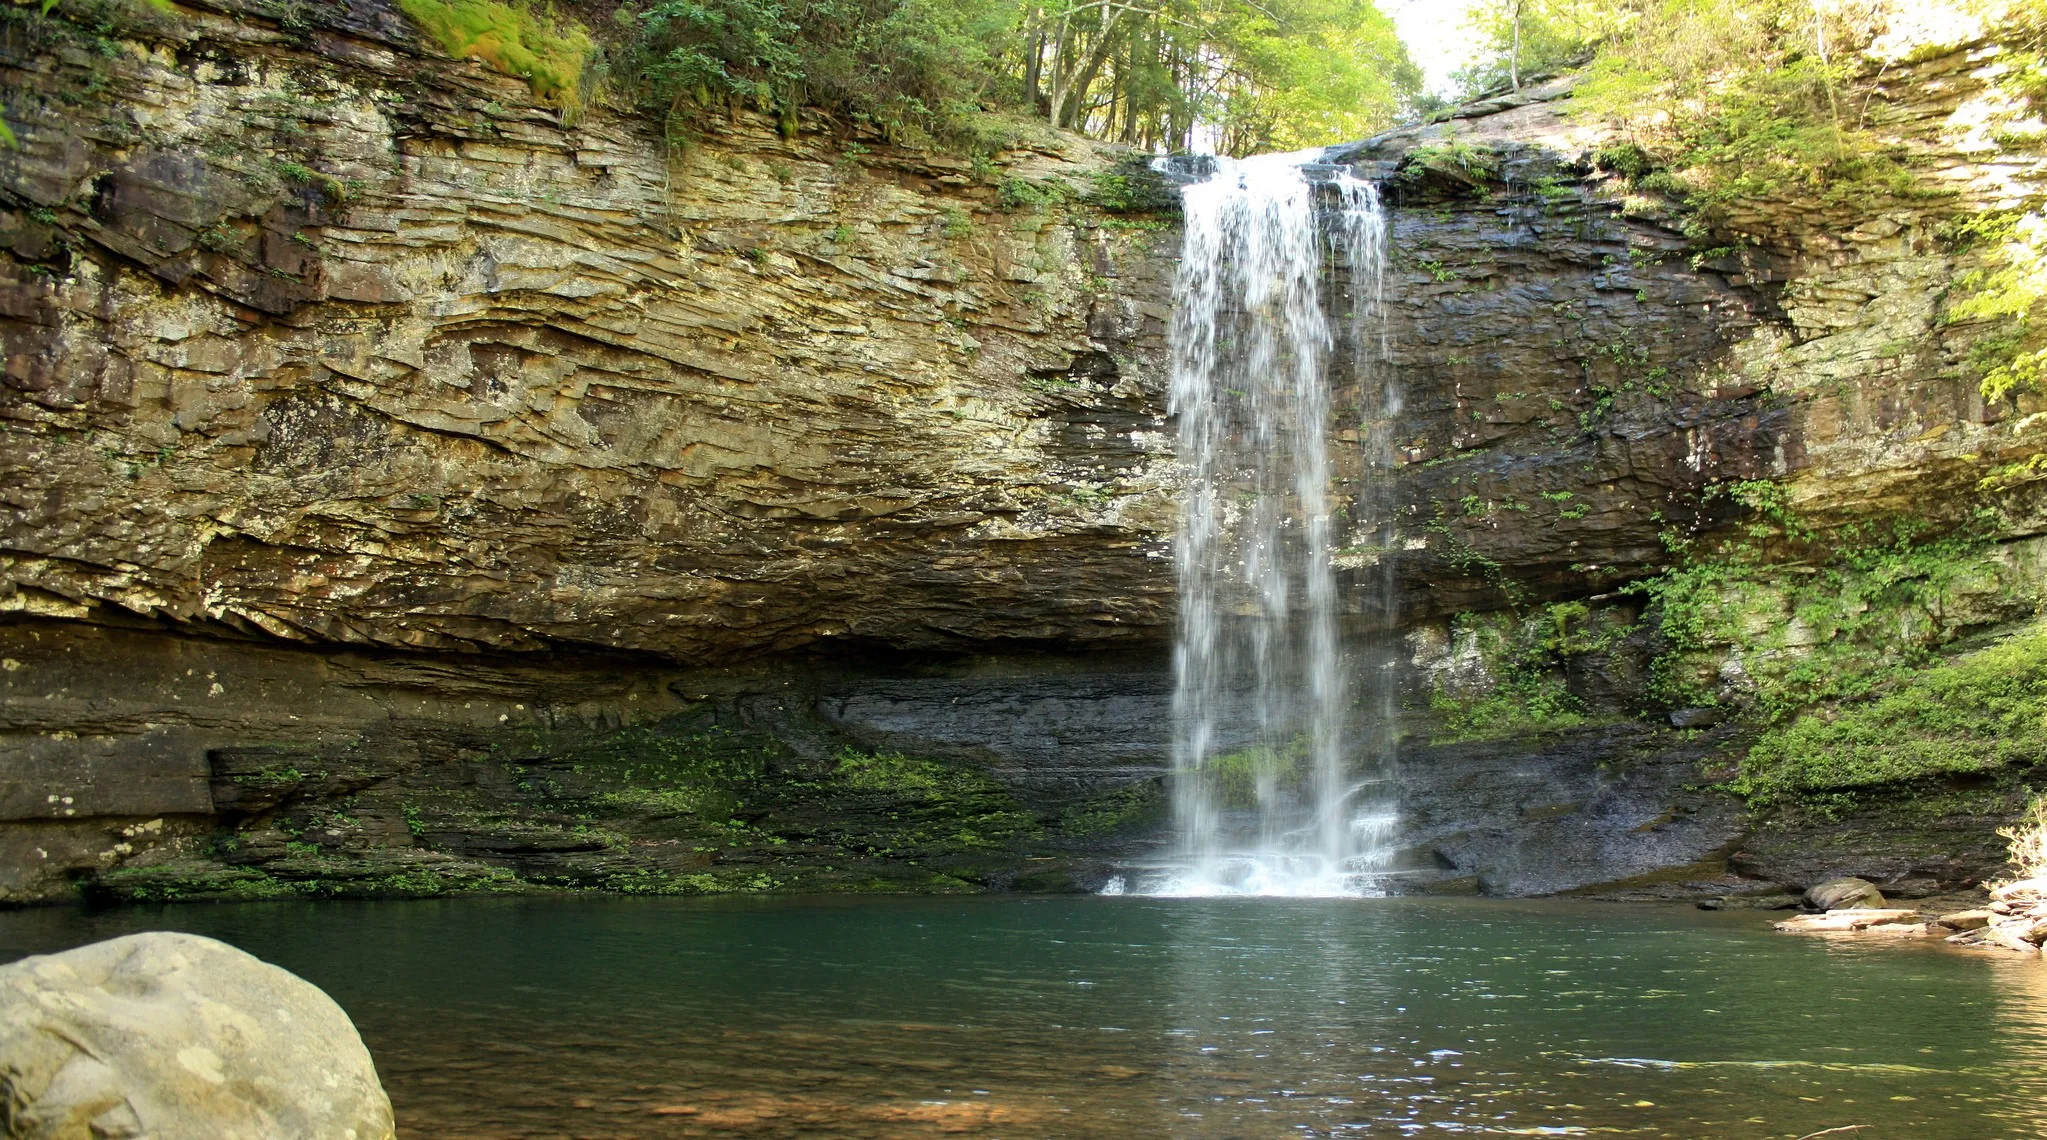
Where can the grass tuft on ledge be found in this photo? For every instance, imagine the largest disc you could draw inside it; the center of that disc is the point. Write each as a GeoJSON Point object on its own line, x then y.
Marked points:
{"type": "Point", "coordinates": [551, 56]}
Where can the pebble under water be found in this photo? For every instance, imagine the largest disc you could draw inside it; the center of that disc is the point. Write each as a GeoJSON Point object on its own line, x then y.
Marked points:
{"type": "Point", "coordinates": [1141, 1017]}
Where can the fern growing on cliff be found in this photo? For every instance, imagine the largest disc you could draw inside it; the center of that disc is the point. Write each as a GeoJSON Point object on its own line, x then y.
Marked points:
{"type": "Point", "coordinates": [2004, 294]}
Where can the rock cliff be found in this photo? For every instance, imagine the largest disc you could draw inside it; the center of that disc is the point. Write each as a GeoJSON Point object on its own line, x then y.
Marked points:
{"type": "Point", "coordinates": [406, 491]}
{"type": "Point", "coordinates": [316, 337]}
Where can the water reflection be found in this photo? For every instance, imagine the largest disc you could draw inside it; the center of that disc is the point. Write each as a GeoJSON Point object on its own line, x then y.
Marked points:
{"type": "Point", "coordinates": [1143, 1018]}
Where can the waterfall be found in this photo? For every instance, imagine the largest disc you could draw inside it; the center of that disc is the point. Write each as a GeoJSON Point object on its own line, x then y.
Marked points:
{"type": "Point", "coordinates": [1269, 797]}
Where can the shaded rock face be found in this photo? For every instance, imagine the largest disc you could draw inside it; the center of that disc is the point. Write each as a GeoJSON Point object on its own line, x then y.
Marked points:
{"type": "Point", "coordinates": [406, 492]}
{"type": "Point", "coordinates": [147, 767]}
{"type": "Point", "coordinates": [164, 1034]}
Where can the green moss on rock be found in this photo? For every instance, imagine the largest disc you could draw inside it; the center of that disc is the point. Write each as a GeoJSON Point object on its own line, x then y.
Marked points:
{"type": "Point", "coordinates": [513, 39]}
{"type": "Point", "coordinates": [1979, 712]}
{"type": "Point", "coordinates": [1522, 658]}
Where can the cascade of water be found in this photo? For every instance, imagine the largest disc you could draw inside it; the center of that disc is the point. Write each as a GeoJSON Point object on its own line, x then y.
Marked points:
{"type": "Point", "coordinates": [1267, 794]}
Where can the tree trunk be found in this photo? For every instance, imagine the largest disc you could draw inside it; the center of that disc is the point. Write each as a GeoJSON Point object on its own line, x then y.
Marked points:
{"type": "Point", "coordinates": [1056, 95]}
{"type": "Point", "coordinates": [1066, 104]}
{"type": "Point", "coordinates": [1514, 57]}
{"type": "Point", "coordinates": [1034, 63]}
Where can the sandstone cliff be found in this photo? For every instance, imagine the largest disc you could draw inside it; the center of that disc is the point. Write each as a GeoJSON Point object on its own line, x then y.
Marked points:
{"type": "Point", "coordinates": [314, 336]}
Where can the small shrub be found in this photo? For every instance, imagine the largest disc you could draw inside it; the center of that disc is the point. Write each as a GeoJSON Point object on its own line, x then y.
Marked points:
{"type": "Point", "coordinates": [2028, 839]}
{"type": "Point", "coordinates": [1131, 187]}
{"type": "Point", "coordinates": [1625, 159]}
{"type": "Point", "coordinates": [1525, 655]}
{"type": "Point", "coordinates": [1450, 158]}
{"type": "Point", "coordinates": [1024, 194]}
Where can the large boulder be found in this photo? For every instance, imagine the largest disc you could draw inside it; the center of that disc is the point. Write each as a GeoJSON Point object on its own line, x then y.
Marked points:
{"type": "Point", "coordinates": [1843, 894]}
{"type": "Point", "coordinates": [171, 1036]}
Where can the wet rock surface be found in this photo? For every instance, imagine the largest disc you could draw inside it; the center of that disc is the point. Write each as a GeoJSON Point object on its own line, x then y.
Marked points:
{"type": "Point", "coordinates": [283, 773]}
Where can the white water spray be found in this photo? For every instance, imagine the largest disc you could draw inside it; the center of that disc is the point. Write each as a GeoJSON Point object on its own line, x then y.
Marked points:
{"type": "Point", "coordinates": [1268, 795]}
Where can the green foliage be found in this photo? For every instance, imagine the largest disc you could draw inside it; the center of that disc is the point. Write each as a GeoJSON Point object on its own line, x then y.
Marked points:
{"type": "Point", "coordinates": [695, 883]}
{"type": "Point", "coordinates": [1813, 617]}
{"type": "Point", "coordinates": [2005, 476]}
{"type": "Point", "coordinates": [1977, 712]}
{"type": "Point", "coordinates": [271, 777]}
{"type": "Point", "coordinates": [514, 38]}
{"type": "Point", "coordinates": [1726, 101]}
{"type": "Point", "coordinates": [638, 771]}
{"type": "Point", "coordinates": [1242, 778]}
{"type": "Point", "coordinates": [1024, 194]}
{"type": "Point", "coordinates": [1527, 38]}
{"type": "Point", "coordinates": [1524, 654]}
{"type": "Point", "coordinates": [889, 772]}
{"type": "Point", "coordinates": [647, 758]}
{"type": "Point", "coordinates": [1283, 75]}
{"type": "Point", "coordinates": [1132, 187]}
{"type": "Point", "coordinates": [914, 69]}
{"type": "Point", "coordinates": [2005, 292]}
{"type": "Point", "coordinates": [954, 808]}
{"type": "Point", "coordinates": [1257, 74]}
{"type": "Point", "coordinates": [1626, 159]}
{"type": "Point", "coordinates": [1451, 158]}
{"type": "Point", "coordinates": [1135, 806]}
{"type": "Point", "coordinates": [909, 776]}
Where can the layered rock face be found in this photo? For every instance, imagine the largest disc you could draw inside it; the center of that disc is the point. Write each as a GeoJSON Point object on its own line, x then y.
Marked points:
{"type": "Point", "coordinates": [409, 492]}
{"type": "Point", "coordinates": [317, 337]}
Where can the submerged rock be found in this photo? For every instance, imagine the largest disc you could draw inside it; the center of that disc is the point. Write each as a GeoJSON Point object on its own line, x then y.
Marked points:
{"type": "Point", "coordinates": [1752, 902]}
{"type": "Point", "coordinates": [167, 1035]}
{"type": "Point", "coordinates": [1843, 894]}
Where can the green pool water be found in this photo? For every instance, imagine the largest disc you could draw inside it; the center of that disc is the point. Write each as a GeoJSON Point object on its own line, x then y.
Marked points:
{"type": "Point", "coordinates": [1131, 1017]}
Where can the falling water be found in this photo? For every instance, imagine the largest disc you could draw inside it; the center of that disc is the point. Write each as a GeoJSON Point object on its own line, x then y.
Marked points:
{"type": "Point", "coordinates": [1269, 797]}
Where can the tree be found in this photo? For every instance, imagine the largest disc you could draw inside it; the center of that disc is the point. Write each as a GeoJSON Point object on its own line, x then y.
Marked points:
{"type": "Point", "coordinates": [1158, 74]}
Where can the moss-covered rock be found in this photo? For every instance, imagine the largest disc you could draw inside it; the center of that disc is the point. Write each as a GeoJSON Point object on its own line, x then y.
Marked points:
{"type": "Point", "coordinates": [670, 808]}
{"type": "Point", "coordinates": [1978, 712]}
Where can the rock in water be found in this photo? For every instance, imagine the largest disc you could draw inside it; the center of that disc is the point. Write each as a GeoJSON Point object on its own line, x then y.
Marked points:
{"type": "Point", "coordinates": [1843, 894]}
{"type": "Point", "coordinates": [173, 1036]}
{"type": "Point", "coordinates": [1856, 918]}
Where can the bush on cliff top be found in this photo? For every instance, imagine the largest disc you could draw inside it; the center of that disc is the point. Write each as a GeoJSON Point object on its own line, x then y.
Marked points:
{"type": "Point", "coordinates": [1736, 100]}
{"type": "Point", "coordinates": [519, 41]}
{"type": "Point", "coordinates": [1975, 713]}
{"type": "Point", "coordinates": [1254, 74]}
